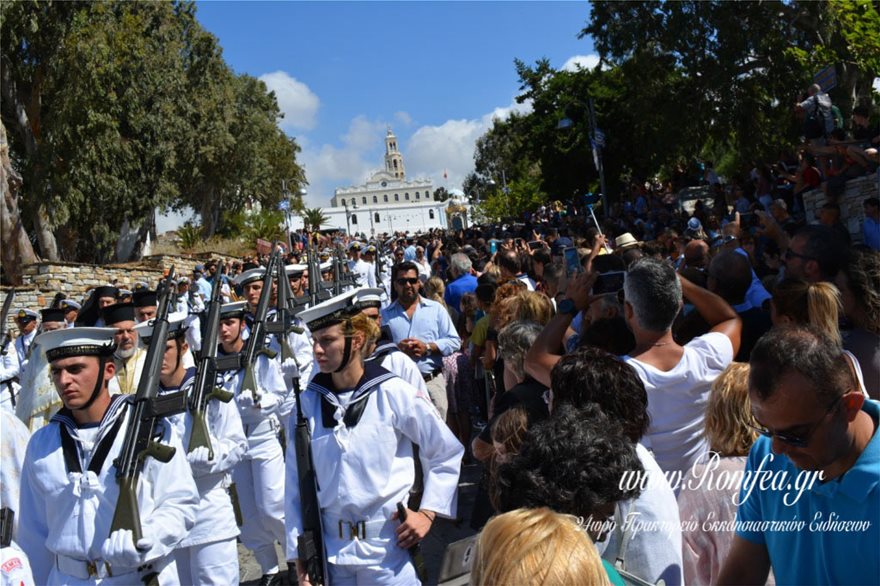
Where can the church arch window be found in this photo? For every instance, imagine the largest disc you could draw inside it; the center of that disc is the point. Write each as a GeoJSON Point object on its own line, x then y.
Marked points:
{"type": "Point", "coordinates": [353, 202]}
{"type": "Point", "coordinates": [406, 196]}
{"type": "Point", "coordinates": [431, 214]}
{"type": "Point", "coordinates": [375, 199]}
{"type": "Point", "coordinates": [364, 200]}
{"type": "Point", "coordinates": [396, 197]}
{"type": "Point", "coordinates": [385, 198]}
{"type": "Point", "coordinates": [376, 217]}
{"type": "Point", "coordinates": [354, 219]}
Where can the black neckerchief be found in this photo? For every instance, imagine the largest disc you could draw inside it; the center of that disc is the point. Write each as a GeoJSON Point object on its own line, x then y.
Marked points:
{"type": "Point", "coordinates": [322, 384]}
{"type": "Point", "coordinates": [70, 448]}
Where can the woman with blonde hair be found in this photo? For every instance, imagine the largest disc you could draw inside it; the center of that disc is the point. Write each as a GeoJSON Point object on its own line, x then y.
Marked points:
{"type": "Point", "coordinates": [729, 429]}
{"type": "Point", "coordinates": [536, 546]}
{"type": "Point", "coordinates": [796, 301]}
{"type": "Point", "coordinates": [364, 424]}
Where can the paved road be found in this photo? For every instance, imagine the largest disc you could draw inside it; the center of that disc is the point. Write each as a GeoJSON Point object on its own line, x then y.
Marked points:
{"type": "Point", "coordinates": [442, 534]}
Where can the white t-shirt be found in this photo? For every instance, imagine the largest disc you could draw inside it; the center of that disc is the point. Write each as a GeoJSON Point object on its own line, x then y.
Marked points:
{"type": "Point", "coordinates": [677, 400]}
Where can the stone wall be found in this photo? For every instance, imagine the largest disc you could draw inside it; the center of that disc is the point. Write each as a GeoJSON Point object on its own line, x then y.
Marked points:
{"type": "Point", "coordinates": [852, 210]}
{"type": "Point", "coordinates": [42, 280]}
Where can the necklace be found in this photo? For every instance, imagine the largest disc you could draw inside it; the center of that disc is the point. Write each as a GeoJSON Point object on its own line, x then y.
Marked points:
{"type": "Point", "coordinates": [660, 344]}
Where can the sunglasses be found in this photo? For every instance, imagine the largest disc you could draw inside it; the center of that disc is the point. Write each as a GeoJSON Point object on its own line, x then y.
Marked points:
{"type": "Point", "coordinates": [410, 281]}
{"type": "Point", "coordinates": [797, 441]}
{"type": "Point", "coordinates": [789, 254]}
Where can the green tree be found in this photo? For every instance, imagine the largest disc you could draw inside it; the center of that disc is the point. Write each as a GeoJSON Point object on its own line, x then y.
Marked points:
{"type": "Point", "coordinates": [314, 218]}
{"type": "Point", "coordinates": [118, 108]}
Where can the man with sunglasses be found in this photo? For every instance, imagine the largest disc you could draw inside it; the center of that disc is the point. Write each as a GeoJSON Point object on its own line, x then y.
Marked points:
{"type": "Point", "coordinates": [815, 254]}
{"type": "Point", "coordinates": [813, 419]}
{"type": "Point", "coordinates": [422, 329]}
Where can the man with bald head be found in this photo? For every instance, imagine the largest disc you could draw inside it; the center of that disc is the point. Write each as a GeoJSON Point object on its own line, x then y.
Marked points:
{"type": "Point", "coordinates": [696, 254]}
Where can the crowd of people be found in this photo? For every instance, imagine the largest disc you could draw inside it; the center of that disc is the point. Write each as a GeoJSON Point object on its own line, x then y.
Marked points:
{"type": "Point", "coordinates": [672, 396]}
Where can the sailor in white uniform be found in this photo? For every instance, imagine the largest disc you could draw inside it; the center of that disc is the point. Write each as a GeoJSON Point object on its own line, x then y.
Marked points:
{"type": "Point", "coordinates": [363, 271]}
{"type": "Point", "coordinates": [27, 321]}
{"type": "Point", "coordinates": [15, 570]}
{"type": "Point", "coordinates": [68, 485]}
{"type": "Point", "coordinates": [208, 554]}
{"type": "Point", "coordinates": [259, 476]}
{"type": "Point", "coordinates": [364, 421]}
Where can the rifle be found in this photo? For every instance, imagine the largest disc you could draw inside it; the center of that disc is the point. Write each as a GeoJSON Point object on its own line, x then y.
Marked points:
{"type": "Point", "coordinates": [205, 387]}
{"type": "Point", "coordinates": [4, 332]}
{"type": "Point", "coordinates": [311, 541]}
{"type": "Point", "coordinates": [256, 343]}
{"type": "Point", "coordinates": [342, 279]}
{"type": "Point", "coordinates": [317, 291]}
{"type": "Point", "coordinates": [7, 522]}
{"type": "Point", "coordinates": [147, 410]}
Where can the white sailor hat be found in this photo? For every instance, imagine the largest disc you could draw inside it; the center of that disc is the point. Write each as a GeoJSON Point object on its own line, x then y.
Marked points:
{"type": "Point", "coordinates": [326, 266]}
{"type": "Point", "coordinates": [297, 269]}
{"type": "Point", "coordinates": [26, 314]}
{"type": "Point", "coordinates": [69, 304]}
{"type": "Point", "coordinates": [141, 286]}
{"type": "Point", "coordinates": [183, 281]}
{"type": "Point", "coordinates": [124, 293]}
{"type": "Point", "coordinates": [68, 342]}
{"type": "Point", "coordinates": [176, 327]}
{"type": "Point", "coordinates": [234, 309]}
{"type": "Point", "coordinates": [368, 297]}
{"type": "Point", "coordinates": [355, 245]}
{"type": "Point", "coordinates": [250, 275]}
{"type": "Point", "coordinates": [331, 312]}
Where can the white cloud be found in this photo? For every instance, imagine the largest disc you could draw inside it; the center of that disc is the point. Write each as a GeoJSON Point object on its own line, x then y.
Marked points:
{"type": "Point", "coordinates": [428, 152]}
{"type": "Point", "coordinates": [403, 118]}
{"type": "Point", "coordinates": [450, 146]}
{"type": "Point", "coordinates": [298, 103]}
{"type": "Point", "coordinates": [584, 61]}
{"type": "Point", "coordinates": [329, 166]}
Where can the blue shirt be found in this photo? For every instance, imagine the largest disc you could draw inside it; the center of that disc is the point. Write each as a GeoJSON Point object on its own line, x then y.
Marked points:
{"type": "Point", "coordinates": [757, 293]}
{"type": "Point", "coordinates": [430, 323]}
{"type": "Point", "coordinates": [871, 233]}
{"type": "Point", "coordinates": [816, 547]}
{"type": "Point", "coordinates": [454, 291]}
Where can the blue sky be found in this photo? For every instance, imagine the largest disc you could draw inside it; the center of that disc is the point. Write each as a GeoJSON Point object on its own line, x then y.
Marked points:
{"type": "Point", "coordinates": [436, 72]}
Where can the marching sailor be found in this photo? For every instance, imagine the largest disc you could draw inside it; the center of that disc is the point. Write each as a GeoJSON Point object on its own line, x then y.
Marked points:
{"type": "Point", "coordinates": [68, 484]}
{"type": "Point", "coordinates": [71, 310]}
{"type": "Point", "coordinates": [208, 554]}
{"type": "Point", "coordinates": [364, 421]}
{"type": "Point", "coordinates": [259, 476]}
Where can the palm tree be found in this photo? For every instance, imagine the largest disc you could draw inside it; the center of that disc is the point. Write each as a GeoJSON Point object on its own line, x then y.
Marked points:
{"type": "Point", "coordinates": [313, 218]}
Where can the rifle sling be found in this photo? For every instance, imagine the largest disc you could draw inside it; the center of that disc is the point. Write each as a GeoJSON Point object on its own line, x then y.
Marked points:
{"type": "Point", "coordinates": [71, 453]}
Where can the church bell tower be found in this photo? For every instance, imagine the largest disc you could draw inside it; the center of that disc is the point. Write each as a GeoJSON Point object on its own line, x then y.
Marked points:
{"type": "Point", "coordinates": [393, 158]}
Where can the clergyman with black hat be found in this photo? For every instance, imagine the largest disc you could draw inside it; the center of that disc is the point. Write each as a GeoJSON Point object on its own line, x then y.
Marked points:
{"type": "Point", "coordinates": [129, 356]}
{"type": "Point", "coordinates": [68, 486]}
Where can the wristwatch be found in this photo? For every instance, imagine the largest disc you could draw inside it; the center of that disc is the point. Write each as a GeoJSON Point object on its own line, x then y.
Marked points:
{"type": "Point", "coordinates": [566, 306]}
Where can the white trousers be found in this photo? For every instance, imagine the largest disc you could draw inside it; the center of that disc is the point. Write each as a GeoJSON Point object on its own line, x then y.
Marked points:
{"type": "Point", "coordinates": [403, 574]}
{"type": "Point", "coordinates": [208, 564]}
{"type": "Point", "coordinates": [260, 485]}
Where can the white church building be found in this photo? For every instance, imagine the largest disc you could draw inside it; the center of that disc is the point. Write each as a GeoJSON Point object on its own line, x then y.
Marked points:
{"type": "Point", "coordinates": [388, 202]}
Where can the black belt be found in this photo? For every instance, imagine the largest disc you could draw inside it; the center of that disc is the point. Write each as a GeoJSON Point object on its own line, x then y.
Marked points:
{"type": "Point", "coordinates": [432, 375]}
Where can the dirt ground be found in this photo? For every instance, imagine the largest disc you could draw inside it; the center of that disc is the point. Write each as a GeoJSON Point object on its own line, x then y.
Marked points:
{"type": "Point", "coordinates": [443, 533]}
